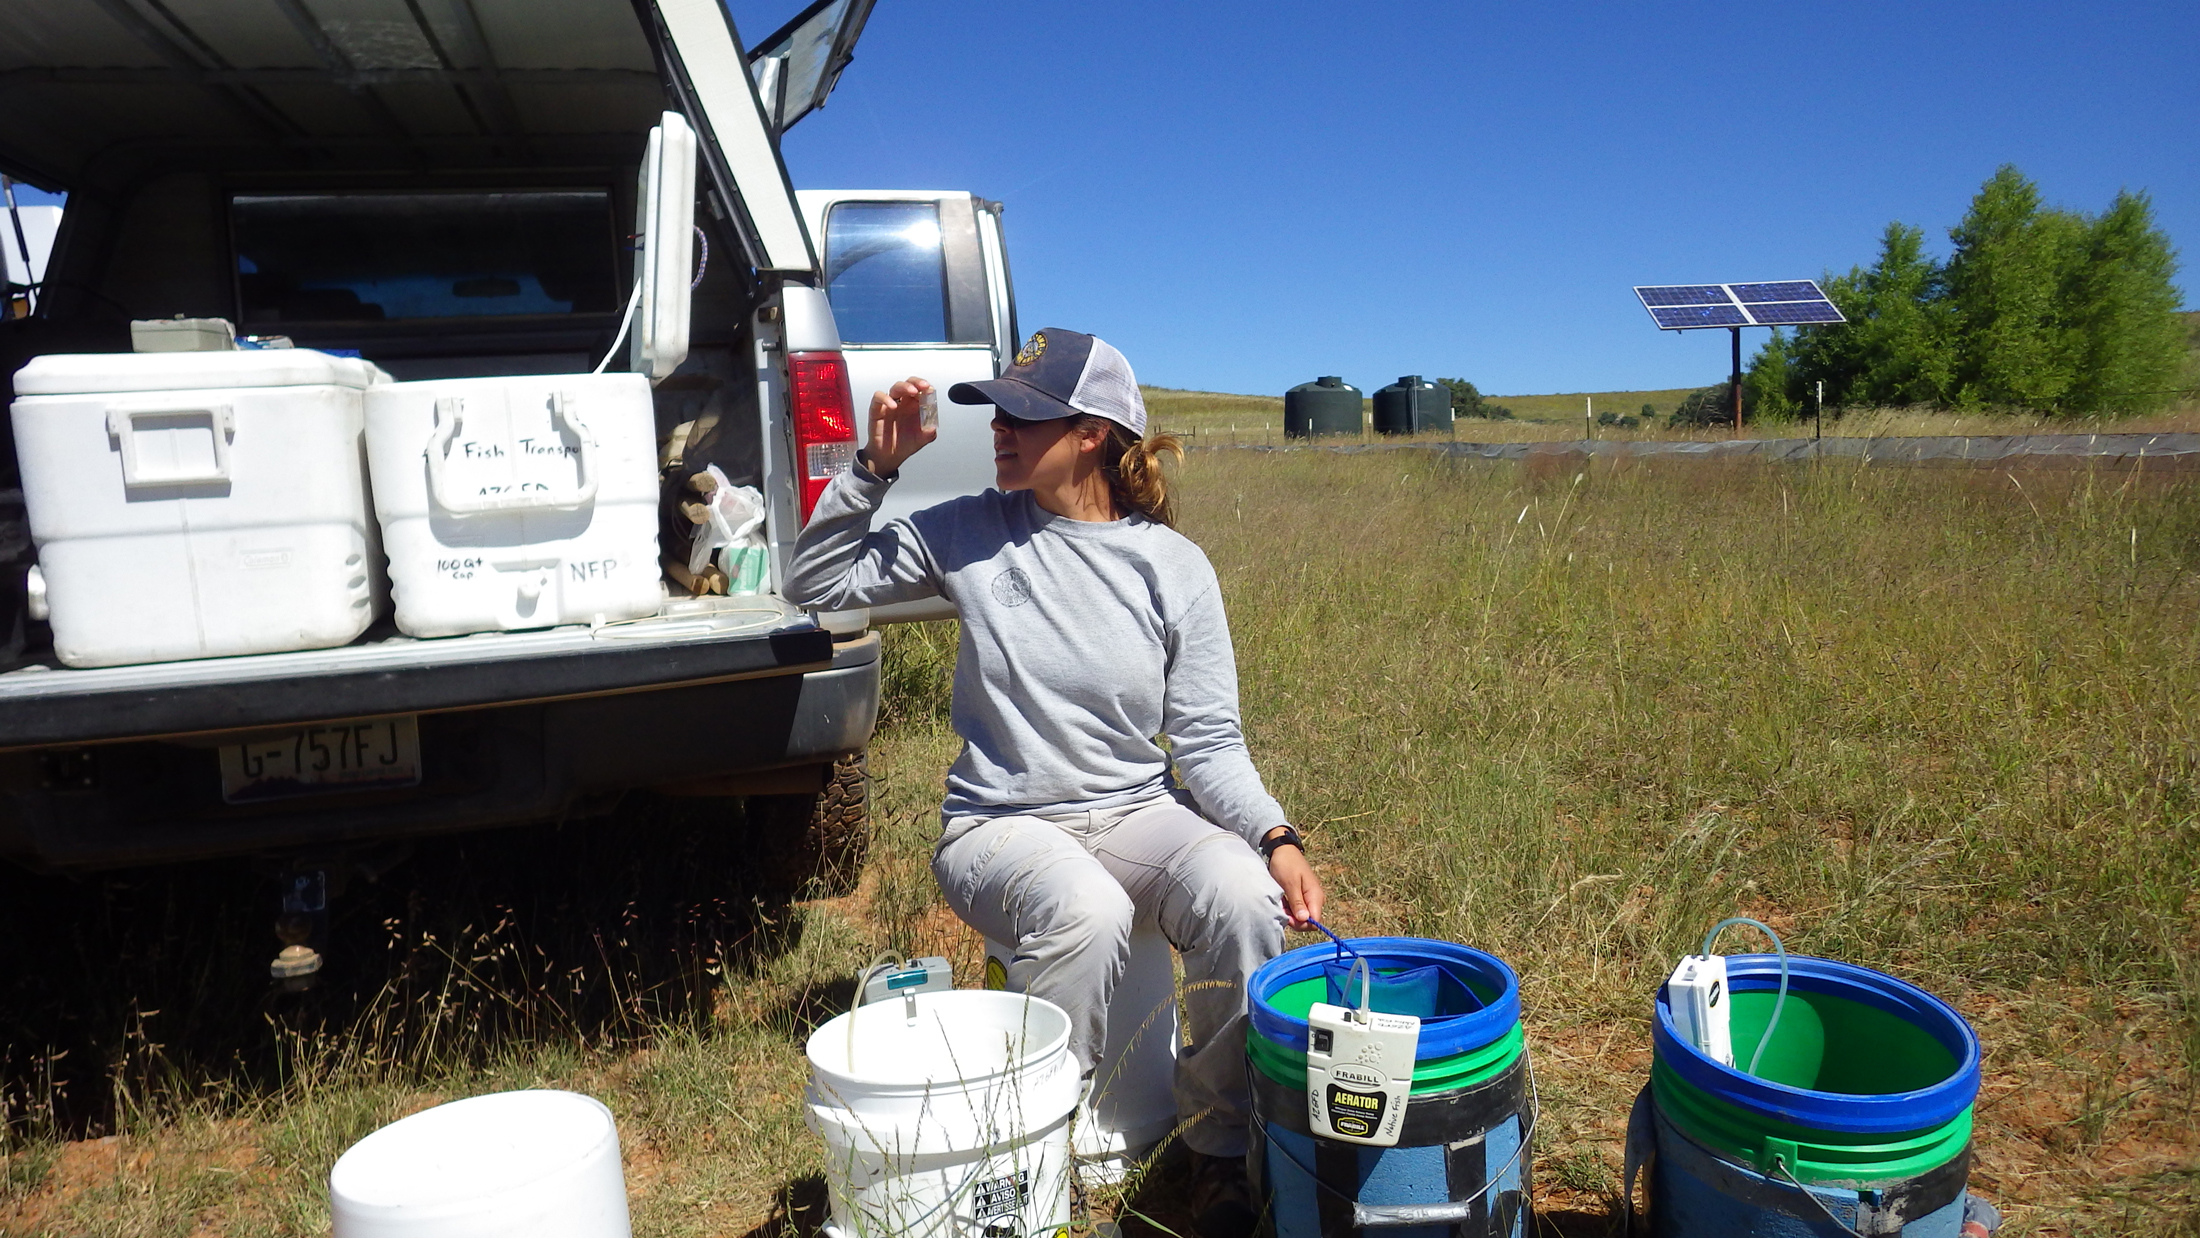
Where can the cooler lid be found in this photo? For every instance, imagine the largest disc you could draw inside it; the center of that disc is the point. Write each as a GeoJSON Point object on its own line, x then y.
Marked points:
{"type": "Point", "coordinates": [99, 373]}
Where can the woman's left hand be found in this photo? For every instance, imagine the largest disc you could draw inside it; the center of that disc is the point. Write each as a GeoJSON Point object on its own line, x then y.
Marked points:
{"type": "Point", "coordinates": [1302, 890]}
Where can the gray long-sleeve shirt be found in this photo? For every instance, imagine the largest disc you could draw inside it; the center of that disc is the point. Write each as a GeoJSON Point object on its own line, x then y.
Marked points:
{"type": "Point", "coordinates": [1081, 642]}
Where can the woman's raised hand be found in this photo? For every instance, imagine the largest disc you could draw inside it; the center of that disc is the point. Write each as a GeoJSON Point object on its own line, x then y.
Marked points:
{"type": "Point", "coordinates": [897, 425]}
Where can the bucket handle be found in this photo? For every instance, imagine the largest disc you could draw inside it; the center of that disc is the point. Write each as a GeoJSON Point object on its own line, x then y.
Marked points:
{"type": "Point", "coordinates": [1779, 1163]}
{"type": "Point", "coordinates": [451, 412]}
{"type": "Point", "coordinates": [1342, 948]}
{"type": "Point", "coordinates": [1360, 967]}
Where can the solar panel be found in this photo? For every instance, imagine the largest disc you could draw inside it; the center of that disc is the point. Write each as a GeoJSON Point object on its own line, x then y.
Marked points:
{"type": "Point", "coordinates": [1684, 294]}
{"type": "Point", "coordinates": [1682, 317]}
{"type": "Point", "coordinates": [1793, 290]}
{"type": "Point", "coordinates": [1793, 313]}
{"type": "Point", "coordinates": [1776, 303]}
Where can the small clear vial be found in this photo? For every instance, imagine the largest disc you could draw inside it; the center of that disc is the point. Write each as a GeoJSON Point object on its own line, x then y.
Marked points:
{"type": "Point", "coordinates": [928, 411]}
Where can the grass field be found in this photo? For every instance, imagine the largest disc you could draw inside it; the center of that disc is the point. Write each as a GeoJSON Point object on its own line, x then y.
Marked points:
{"type": "Point", "coordinates": [1213, 419]}
{"type": "Point", "coordinates": [1941, 723]}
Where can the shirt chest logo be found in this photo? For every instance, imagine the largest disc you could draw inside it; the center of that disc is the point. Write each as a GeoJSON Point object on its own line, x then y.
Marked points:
{"type": "Point", "coordinates": [1012, 587]}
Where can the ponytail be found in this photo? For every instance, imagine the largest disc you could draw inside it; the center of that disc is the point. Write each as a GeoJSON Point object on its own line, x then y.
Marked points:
{"type": "Point", "coordinates": [1132, 466]}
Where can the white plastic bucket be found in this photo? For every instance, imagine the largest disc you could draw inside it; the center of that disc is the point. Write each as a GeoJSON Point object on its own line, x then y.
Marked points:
{"type": "Point", "coordinates": [534, 1164]}
{"type": "Point", "coordinates": [515, 503]}
{"type": "Point", "coordinates": [951, 1120]}
{"type": "Point", "coordinates": [1133, 1101]}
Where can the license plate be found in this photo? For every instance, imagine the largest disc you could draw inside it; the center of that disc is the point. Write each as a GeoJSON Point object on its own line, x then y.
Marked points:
{"type": "Point", "coordinates": [370, 754]}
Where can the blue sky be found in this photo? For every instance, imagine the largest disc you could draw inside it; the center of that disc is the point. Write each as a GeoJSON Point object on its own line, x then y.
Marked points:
{"type": "Point", "coordinates": [1245, 196]}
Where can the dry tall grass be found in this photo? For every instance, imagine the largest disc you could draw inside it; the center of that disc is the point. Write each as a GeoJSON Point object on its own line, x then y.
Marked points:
{"type": "Point", "coordinates": [1212, 419]}
{"type": "Point", "coordinates": [1946, 725]}
{"type": "Point", "coordinates": [1938, 722]}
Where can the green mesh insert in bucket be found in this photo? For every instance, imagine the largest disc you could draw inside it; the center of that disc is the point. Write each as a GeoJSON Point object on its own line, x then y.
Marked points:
{"type": "Point", "coordinates": [1443, 1074]}
{"type": "Point", "coordinates": [1817, 1156]}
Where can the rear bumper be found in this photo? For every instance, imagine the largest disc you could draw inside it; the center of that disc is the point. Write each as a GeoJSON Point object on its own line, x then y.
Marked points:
{"type": "Point", "coordinates": [159, 800]}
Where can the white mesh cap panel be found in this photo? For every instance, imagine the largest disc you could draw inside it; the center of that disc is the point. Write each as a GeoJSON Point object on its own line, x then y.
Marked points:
{"type": "Point", "coordinates": [1108, 389]}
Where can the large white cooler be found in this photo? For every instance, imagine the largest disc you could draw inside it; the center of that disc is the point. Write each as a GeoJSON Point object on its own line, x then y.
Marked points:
{"type": "Point", "coordinates": [198, 504]}
{"type": "Point", "coordinates": [511, 503]}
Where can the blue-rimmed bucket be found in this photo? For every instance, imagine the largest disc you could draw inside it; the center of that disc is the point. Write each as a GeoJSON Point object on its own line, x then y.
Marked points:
{"type": "Point", "coordinates": [1461, 1165]}
{"type": "Point", "coordinates": [1286, 985]}
{"type": "Point", "coordinates": [1858, 1119]}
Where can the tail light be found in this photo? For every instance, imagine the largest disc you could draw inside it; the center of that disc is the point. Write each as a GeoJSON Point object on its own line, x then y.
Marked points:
{"type": "Point", "coordinates": [824, 421]}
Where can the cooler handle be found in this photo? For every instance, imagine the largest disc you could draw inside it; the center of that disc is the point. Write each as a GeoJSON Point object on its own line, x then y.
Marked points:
{"type": "Point", "coordinates": [450, 412]}
{"type": "Point", "coordinates": [122, 427]}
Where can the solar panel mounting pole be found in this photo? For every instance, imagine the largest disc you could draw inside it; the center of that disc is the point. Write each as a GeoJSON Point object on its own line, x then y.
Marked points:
{"type": "Point", "coordinates": [1737, 381]}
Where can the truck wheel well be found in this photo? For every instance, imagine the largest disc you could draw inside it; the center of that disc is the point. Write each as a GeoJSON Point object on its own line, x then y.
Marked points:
{"type": "Point", "coordinates": [819, 838]}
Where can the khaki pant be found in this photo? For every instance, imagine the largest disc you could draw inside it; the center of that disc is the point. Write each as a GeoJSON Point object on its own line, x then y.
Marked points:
{"type": "Point", "coordinates": [1067, 888]}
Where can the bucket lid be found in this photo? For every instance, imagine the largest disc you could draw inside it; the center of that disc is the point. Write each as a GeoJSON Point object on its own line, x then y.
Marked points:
{"type": "Point", "coordinates": [100, 373]}
{"type": "Point", "coordinates": [1491, 979]}
{"type": "Point", "coordinates": [472, 1150]}
{"type": "Point", "coordinates": [1933, 1023]}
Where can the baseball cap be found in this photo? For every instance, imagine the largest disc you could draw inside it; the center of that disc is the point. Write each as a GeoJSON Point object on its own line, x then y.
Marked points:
{"type": "Point", "coordinates": [1062, 373]}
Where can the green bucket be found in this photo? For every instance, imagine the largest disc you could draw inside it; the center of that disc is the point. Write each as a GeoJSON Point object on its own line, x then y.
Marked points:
{"type": "Point", "coordinates": [1827, 1043]}
{"type": "Point", "coordinates": [1443, 1074]}
{"type": "Point", "coordinates": [1814, 1156]}
{"type": "Point", "coordinates": [1287, 1064]}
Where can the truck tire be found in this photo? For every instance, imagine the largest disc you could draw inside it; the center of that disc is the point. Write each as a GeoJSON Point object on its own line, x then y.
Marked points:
{"type": "Point", "coordinates": [821, 838]}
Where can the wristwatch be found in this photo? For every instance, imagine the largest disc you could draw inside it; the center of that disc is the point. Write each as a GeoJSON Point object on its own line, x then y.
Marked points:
{"type": "Point", "coordinates": [1289, 838]}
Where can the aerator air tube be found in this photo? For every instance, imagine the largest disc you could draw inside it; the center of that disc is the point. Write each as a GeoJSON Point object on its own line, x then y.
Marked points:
{"type": "Point", "coordinates": [1778, 1002]}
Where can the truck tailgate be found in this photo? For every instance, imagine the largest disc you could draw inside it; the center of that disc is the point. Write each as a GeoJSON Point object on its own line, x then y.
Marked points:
{"type": "Point", "coordinates": [42, 706]}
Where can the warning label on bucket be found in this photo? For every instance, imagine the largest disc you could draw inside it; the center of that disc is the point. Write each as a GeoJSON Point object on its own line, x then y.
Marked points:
{"type": "Point", "coordinates": [1005, 1194]}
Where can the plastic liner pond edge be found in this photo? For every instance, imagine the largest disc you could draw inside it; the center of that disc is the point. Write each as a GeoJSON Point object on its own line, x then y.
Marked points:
{"type": "Point", "coordinates": [2168, 451]}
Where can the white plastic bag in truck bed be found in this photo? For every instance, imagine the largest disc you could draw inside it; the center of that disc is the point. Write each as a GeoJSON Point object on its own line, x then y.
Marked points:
{"type": "Point", "coordinates": [196, 504]}
{"type": "Point", "coordinates": [513, 503]}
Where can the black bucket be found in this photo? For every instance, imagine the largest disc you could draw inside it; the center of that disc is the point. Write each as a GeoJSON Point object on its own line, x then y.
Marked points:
{"type": "Point", "coordinates": [1460, 1168]}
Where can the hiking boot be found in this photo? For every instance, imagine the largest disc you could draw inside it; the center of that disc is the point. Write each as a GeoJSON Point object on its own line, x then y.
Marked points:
{"type": "Point", "coordinates": [1221, 1198]}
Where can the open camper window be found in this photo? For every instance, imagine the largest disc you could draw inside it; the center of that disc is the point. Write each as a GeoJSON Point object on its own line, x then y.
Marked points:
{"type": "Point", "coordinates": [348, 258]}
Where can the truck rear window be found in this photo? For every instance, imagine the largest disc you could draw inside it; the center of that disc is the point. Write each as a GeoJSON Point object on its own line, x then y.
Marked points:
{"type": "Point", "coordinates": [371, 257]}
{"type": "Point", "coordinates": [884, 272]}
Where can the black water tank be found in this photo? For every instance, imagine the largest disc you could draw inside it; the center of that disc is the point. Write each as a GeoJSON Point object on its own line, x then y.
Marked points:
{"type": "Point", "coordinates": [1410, 406]}
{"type": "Point", "coordinates": [1320, 409]}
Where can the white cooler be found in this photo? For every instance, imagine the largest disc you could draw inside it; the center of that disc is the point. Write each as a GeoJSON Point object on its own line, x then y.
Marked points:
{"type": "Point", "coordinates": [511, 503]}
{"type": "Point", "coordinates": [198, 504]}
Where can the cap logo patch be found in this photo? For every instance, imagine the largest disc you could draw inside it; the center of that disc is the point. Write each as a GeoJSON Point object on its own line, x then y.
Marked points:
{"type": "Point", "coordinates": [1034, 350]}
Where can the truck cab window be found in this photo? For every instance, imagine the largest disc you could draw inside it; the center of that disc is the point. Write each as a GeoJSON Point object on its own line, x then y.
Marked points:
{"type": "Point", "coordinates": [884, 272]}
{"type": "Point", "coordinates": [370, 257]}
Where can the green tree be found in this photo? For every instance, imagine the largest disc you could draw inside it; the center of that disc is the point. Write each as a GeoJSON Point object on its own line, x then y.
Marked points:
{"type": "Point", "coordinates": [1895, 348]}
{"type": "Point", "coordinates": [1765, 383]}
{"type": "Point", "coordinates": [2010, 280]}
{"type": "Point", "coordinates": [1713, 406]}
{"type": "Point", "coordinates": [2130, 339]}
{"type": "Point", "coordinates": [1468, 401]}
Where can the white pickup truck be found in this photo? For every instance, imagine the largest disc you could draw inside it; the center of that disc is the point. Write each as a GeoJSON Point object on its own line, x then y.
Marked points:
{"type": "Point", "coordinates": [474, 163]}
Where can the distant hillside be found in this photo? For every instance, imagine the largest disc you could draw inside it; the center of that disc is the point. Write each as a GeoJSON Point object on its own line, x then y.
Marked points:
{"type": "Point", "coordinates": [1209, 411]}
{"type": "Point", "coordinates": [1568, 406]}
